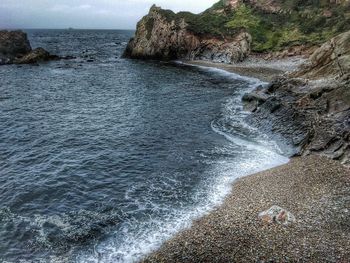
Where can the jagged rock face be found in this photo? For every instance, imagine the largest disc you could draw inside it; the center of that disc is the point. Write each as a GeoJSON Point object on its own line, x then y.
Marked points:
{"type": "Point", "coordinates": [312, 117]}
{"type": "Point", "coordinates": [158, 37]}
{"type": "Point", "coordinates": [13, 44]}
{"type": "Point", "coordinates": [331, 59]}
{"type": "Point", "coordinates": [221, 51]}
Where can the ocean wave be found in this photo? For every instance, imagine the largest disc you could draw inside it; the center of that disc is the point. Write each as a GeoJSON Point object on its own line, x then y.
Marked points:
{"type": "Point", "coordinates": [137, 238]}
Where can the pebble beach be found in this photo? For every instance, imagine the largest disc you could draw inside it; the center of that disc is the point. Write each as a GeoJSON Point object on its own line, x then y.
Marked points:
{"type": "Point", "coordinates": [265, 70]}
{"type": "Point", "coordinates": [315, 189]}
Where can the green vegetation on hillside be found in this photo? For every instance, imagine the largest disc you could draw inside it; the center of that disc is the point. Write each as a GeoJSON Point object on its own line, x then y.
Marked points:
{"type": "Point", "coordinates": [278, 31]}
{"type": "Point", "coordinates": [244, 18]}
{"type": "Point", "coordinates": [206, 23]}
{"type": "Point", "coordinates": [300, 22]}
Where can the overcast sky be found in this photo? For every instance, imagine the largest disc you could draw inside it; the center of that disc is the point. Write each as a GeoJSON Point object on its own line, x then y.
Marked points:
{"type": "Point", "coordinates": [114, 14]}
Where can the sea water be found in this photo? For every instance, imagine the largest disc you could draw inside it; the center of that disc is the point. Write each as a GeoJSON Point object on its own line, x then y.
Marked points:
{"type": "Point", "coordinates": [102, 158]}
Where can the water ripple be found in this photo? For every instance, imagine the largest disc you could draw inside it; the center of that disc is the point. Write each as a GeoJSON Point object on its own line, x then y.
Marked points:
{"type": "Point", "coordinates": [103, 161]}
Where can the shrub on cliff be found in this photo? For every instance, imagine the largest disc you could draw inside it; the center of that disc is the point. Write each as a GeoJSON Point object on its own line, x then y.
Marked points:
{"type": "Point", "coordinates": [244, 18]}
{"type": "Point", "coordinates": [297, 23]}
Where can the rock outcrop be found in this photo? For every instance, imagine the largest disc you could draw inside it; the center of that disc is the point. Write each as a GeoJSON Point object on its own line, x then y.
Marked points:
{"type": "Point", "coordinates": [161, 36]}
{"type": "Point", "coordinates": [312, 116]}
{"type": "Point", "coordinates": [331, 59]}
{"type": "Point", "coordinates": [15, 49]}
{"type": "Point", "coordinates": [13, 44]}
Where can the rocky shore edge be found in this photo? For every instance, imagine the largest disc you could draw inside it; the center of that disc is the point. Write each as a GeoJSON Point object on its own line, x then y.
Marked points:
{"type": "Point", "coordinates": [298, 212]}
{"type": "Point", "coordinates": [309, 107]}
{"type": "Point", "coordinates": [307, 103]}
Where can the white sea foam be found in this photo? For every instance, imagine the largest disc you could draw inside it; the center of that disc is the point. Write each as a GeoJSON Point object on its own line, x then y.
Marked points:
{"type": "Point", "coordinates": [134, 240]}
{"type": "Point", "coordinates": [139, 240]}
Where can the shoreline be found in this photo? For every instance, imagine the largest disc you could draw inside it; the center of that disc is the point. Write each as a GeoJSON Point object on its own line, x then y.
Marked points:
{"type": "Point", "coordinates": [233, 232]}
{"type": "Point", "coordinates": [306, 186]}
{"type": "Point", "coordinates": [264, 70]}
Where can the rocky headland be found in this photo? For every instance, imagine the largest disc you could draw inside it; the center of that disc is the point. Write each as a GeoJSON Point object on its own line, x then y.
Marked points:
{"type": "Point", "coordinates": [163, 35]}
{"type": "Point", "coordinates": [231, 30]}
{"type": "Point", "coordinates": [16, 49]}
{"type": "Point", "coordinates": [308, 109]}
{"type": "Point", "coordinates": [298, 212]}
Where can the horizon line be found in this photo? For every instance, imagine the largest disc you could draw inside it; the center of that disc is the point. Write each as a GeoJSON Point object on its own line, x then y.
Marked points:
{"type": "Point", "coordinates": [65, 28]}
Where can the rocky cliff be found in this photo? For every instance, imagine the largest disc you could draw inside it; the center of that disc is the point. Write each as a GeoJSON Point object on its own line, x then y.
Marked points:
{"type": "Point", "coordinates": [310, 109]}
{"type": "Point", "coordinates": [15, 49]}
{"type": "Point", "coordinates": [331, 59]}
{"type": "Point", "coordinates": [231, 29]}
{"type": "Point", "coordinates": [159, 36]}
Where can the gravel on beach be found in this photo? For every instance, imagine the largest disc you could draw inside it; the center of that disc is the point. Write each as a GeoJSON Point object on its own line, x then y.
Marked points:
{"type": "Point", "coordinates": [265, 70]}
{"type": "Point", "coordinates": [316, 190]}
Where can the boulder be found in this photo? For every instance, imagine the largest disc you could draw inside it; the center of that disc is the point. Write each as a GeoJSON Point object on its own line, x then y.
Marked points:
{"type": "Point", "coordinates": [251, 101]}
{"type": "Point", "coordinates": [13, 44]}
{"type": "Point", "coordinates": [277, 215]}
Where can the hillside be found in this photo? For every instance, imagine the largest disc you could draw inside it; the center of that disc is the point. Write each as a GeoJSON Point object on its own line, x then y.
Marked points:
{"type": "Point", "coordinates": [272, 25]}
{"type": "Point", "coordinates": [276, 24]}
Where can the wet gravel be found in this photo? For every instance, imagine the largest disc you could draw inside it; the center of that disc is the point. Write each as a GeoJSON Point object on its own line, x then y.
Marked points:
{"type": "Point", "coordinates": [315, 189]}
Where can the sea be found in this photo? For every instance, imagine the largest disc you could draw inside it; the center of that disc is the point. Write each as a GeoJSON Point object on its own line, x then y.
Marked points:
{"type": "Point", "coordinates": [103, 159]}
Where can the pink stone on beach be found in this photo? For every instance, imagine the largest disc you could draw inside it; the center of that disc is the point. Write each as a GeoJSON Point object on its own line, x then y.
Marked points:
{"type": "Point", "coordinates": [277, 215]}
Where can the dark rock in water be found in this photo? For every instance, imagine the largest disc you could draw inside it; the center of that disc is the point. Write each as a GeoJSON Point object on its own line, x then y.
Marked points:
{"type": "Point", "coordinates": [68, 57]}
{"type": "Point", "coordinates": [15, 49]}
{"type": "Point", "coordinates": [35, 56]}
{"type": "Point", "coordinates": [13, 44]}
{"type": "Point", "coordinates": [4, 61]}
{"type": "Point", "coordinates": [251, 101]}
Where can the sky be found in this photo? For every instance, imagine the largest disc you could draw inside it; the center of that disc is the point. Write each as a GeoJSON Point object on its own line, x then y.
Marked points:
{"type": "Point", "coordinates": [90, 14]}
